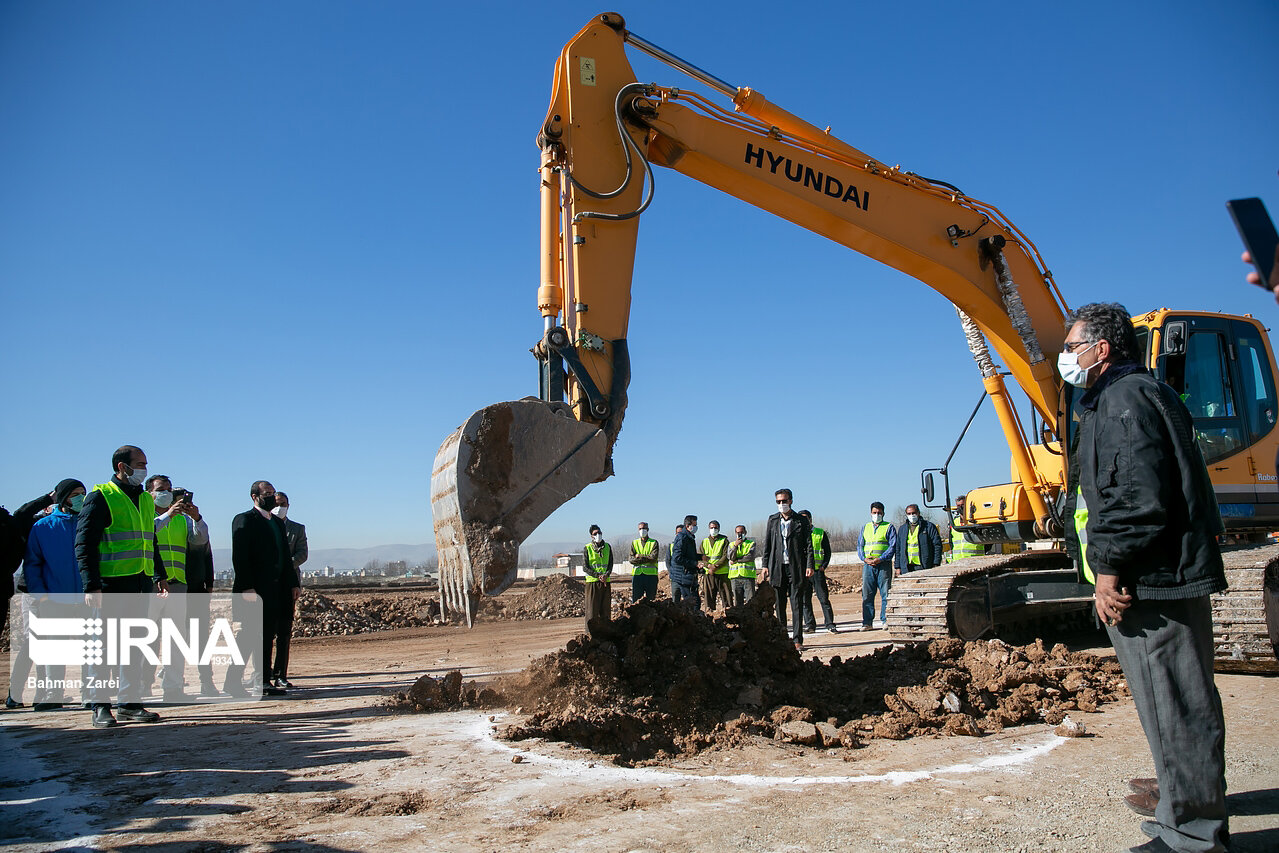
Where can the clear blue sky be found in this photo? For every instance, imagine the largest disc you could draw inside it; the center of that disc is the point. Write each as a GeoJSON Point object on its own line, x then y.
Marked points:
{"type": "Point", "coordinates": [298, 241]}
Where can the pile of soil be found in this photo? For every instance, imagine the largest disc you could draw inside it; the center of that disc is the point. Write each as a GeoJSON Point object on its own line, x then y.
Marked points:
{"type": "Point", "coordinates": [551, 597]}
{"type": "Point", "coordinates": [665, 681]}
{"type": "Point", "coordinates": [321, 616]}
{"type": "Point", "coordinates": [442, 694]}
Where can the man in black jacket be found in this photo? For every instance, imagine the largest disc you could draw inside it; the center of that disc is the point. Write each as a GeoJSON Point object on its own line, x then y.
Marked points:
{"type": "Point", "coordinates": [918, 544]}
{"type": "Point", "coordinates": [262, 564]}
{"type": "Point", "coordinates": [788, 561]}
{"type": "Point", "coordinates": [1145, 527]}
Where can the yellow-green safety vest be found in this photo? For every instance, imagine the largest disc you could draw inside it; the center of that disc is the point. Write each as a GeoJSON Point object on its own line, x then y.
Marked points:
{"type": "Point", "coordinates": [172, 540]}
{"type": "Point", "coordinates": [960, 547]}
{"type": "Point", "coordinates": [645, 549]}
{"type": "Point", "coordinates": [1081, 530]}
{"type": "Point", "coordinates": [713, 550]}
{"type": "Point", "coordinates": [818, 533]}
{"type": "Point", "coordinates": [737, 566]}
{"type": "Point", "coordinates": [875, 539]}
{"type": "Point", "coordinates": [128, 544]}
{"type": "Point", "coordinates": [599, 559]}
{"type": "Point", "coordinates": [912, 545]}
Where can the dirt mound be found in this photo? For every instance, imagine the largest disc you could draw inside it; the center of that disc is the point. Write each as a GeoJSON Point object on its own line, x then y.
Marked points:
{"type": "Point", "coordinates": [551, 597]}
{"type": "Point", "coordinates": [446, 693]}
{"type": "Point", "coordinates": [664, 681]}
{"type": "Point", "coordinates": [319, 615]}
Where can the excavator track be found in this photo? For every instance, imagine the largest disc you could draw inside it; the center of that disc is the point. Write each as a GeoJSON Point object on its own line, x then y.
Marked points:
{"type": "Point", "coordinates": [953, 600]}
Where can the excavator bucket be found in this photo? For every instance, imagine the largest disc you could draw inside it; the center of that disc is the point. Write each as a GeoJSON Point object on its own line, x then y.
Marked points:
{"type": "Point", "coordinates": [495, 479]}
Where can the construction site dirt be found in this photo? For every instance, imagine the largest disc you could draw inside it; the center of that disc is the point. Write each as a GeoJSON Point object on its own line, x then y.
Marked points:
{"type": "Point", "coordinates": [665, 731]}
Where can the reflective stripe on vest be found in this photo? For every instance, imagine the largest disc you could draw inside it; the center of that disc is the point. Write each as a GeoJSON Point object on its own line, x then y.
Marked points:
{"type": "Point", "coordinates": [599, 559]}
{"type": "Point", "coordinates": [912, 545]}
{"type": "Point", "coordinates": [172, 542]}
{"type": "Point", "coordinates": [737, 567]}
{"type": "Point", "coordinates": [128, 544]}
{"type": "Point", "coordinates": [818, 533]}
{"type": "Point", "coordinates": [875, 539]}
{"type": "Point", "coordinates": [960, 547]}
{"type": "Point", "coordinates": [645, 549]}
{"type": "Point", "coordinates": [1081, 530]}
{"type": "Point", "coordinates": [714, 550]}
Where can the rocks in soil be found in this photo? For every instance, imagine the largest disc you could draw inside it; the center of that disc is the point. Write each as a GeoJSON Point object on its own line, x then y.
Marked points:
{"type": "Point", "coordinates": [664, 681]}
{"type": "Point", "coordinates": [318, 615]}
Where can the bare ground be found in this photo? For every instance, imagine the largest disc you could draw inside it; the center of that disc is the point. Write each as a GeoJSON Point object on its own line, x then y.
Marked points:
{"type": "Point", "coordinates": [331, 767]}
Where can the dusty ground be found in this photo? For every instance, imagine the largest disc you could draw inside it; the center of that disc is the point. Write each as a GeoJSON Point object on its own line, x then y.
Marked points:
{"type": "Point", "coordinates": [329, 768]}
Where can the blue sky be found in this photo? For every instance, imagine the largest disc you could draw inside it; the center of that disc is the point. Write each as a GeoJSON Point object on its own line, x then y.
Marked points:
{"type": "Point", "coordinates": [298, 241]}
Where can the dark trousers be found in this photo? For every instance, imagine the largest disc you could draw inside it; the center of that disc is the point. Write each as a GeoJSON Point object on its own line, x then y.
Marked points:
{"type": "Point", "coordinates": [127, 678]}
{"type": "Point", "coordinates": [643, 586]}
{"type": "Point", "coordinates": [686, 592]}
{"type": "Point", "coordinates": [818, 585]}
{"type": "Point", "coordinates": [1165, 649]}
{"type": "Point", "coordinates": [284, 632]}
{"type": "Point", "coordinates": [598, 603]}
{"type": "Point", "coordinates": [198, 609]}
{"type": "Point", "coordinates": [796, 592]}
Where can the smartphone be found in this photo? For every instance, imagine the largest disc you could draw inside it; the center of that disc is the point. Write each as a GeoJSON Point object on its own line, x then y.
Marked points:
{"type": "Point", "coordinates": [1258, 233]}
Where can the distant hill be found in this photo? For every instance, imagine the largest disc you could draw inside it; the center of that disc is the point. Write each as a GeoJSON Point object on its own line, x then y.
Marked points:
{"type": "Point", "coordinates": [350, 559]}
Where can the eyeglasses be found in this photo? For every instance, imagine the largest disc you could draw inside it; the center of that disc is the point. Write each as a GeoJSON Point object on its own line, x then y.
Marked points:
{"type": "Point", "coordinates": [1070, 346]}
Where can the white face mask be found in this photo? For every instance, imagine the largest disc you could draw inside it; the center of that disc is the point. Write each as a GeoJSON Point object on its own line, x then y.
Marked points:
{"type": "Point", "coordinates": [280, 512]}
{"type": "Point", "coordinates": [162, 499]}
{"type": "Point", "coordinates": [783, 507]}
{"type": "Point", "coordinates": [692, 529]}
{"type": "Point", "coordinates": [877, 517]}
{"type": "Point", "coordinates": [138, 477]}
{"type": "Point", "coordinates": [912, 518]}
{"type": "Point", "coordinates": [1068, 367]}
{"type": "Point", "coordinates": [644, 533]}
{"type": "Point", "coordinates": [597, 538]}
{"type": "Point", "coordinates": [714, 531]}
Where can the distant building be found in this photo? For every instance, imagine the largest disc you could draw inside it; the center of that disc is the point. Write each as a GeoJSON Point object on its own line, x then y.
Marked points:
{"type": "Point", "coordinates": [570, 564]}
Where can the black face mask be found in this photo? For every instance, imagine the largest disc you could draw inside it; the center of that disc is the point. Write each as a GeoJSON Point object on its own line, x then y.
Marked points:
{"type": "Point", "coordinates": [267, 502]}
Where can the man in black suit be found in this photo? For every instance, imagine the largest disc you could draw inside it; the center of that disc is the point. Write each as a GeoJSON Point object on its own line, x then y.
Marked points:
{"type": "Point", "coordinates": [262, 564]}
{"type": "Point", "coordinates": [788, 561]}
{"type": "Point", "coordinates": [296, 534]}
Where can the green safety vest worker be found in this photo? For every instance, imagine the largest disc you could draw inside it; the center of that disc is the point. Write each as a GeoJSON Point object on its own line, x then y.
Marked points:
{"type": "Point", "coordinates": [818, 533]}
{"type": "Point", "coordinates": [912, 544]}
{"type": "Point", "coordinates": [960, 547]}
{"type": "Point", "coordinates": [738, 566]}
{"type": "Point", "coordinates": [645, 549]}
{"type": "Point", "coordinates": [875, 539]}
{"type": "Point", "coordinates": [128, 544]}
{"type": "Point", "coordinates": [599, 559]}
{"type": "Point", "coordinates": [172, 541]}
{"type": "Point", "coordinates": [1081, 530]}
{"type": "Point", "coordinates": [713, 550]}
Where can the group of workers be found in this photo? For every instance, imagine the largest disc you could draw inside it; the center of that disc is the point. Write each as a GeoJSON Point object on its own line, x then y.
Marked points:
{"type": "Point", "coordinates": [721, 572]}
{"type": "Point", "coordinates": [137, 534]}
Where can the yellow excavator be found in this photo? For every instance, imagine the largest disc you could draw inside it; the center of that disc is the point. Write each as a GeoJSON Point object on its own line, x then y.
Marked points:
{"type": "Point", "coordinates": [513, 463]}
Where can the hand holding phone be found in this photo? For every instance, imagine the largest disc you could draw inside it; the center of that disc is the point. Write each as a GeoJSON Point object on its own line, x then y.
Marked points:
{"type": "Point", "coordinates": [1259, 238]}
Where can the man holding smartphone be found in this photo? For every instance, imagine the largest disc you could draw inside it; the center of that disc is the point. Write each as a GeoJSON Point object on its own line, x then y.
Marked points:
{"type": "Point", "coordinates": [1145, 527]}
{"type": "Point", "coordinates": [179, 530]}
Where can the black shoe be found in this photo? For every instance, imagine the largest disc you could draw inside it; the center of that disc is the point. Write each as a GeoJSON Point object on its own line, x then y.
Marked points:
{"type": "Point", "coordinates": [273, 691]}
{"type": "Point", "coordinates": [235, 690]}
{"type": "Point", "coordinates": [209, 691]}
{"type": "Point", "coordinates": [46, 706]}
{"type": "Point", "coordinates": [284, 683]}
{"type": "Point", "coordinates": [138, 715]}
{"type": "Point", "coordinates": [11, 704]}
{"type": "Point", "coordinates": [175, 697]}
{"type": "Point", "coordinates": [868, 628]}
{"type": "Point", "coordinates": [102, 718]}
{"type": "Point", "coordinates": [831, 629]}
{"type": "Point", "coordinates": [810, 629]}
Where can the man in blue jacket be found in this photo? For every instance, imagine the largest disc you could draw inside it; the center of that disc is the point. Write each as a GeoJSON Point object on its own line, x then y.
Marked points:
{"type": "Point", "coordinates": [918, 544]}
{"type": "Point", "coordinates": [53, 580]}
{"type": "Point", "coordinates": [876, 547]}
{"type": "Point", "coordinates": [684, 564]}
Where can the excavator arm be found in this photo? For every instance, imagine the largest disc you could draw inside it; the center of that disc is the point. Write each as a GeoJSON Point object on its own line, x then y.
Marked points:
{"type": "Point", "coordinates": [512, 464]}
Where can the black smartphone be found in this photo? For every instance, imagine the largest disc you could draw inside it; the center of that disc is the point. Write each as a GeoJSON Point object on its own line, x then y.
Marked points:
{"type": "Point", "coordinates": [1258, 233]}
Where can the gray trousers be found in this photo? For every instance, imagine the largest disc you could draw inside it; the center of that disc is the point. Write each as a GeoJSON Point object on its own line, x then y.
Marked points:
{"type": "Point", "coordinates": [1165, 649]}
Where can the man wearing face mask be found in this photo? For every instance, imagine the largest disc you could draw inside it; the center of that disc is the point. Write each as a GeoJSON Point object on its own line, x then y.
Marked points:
{"type": "Point", "coordinates": [818, 585]}
{"type": "Point", "coordinates": [741, 566]}
{"type": "Point", "coordinates": [919, 543]}
{"type": "Point", "coordinates": [643, 566]}
{"type": "Point", "coordinates": [788, 561]}
{"type": "Point", "coordinates": [261, 564]}
{"type": "Point", "coordinates": [684, 562]}
{"type": "Point", "coordinates": [179, 529]}
{"type": "Point", "coordinates": [877, 546]}
{"type": "Point", "coordinates": [598, 566]}
{"type": "Point", "coordinates": [715, 585]}
{"type": "Point", "coordinates": [53, 581]}
{"type": "Point", "coordinates": [116, 552]}
{"type": "Point", "coordinates": [296, 535]}
{"type": "Point", "coordinates": [1145, 532]}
